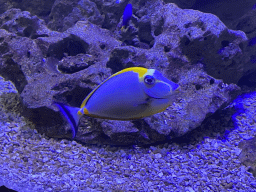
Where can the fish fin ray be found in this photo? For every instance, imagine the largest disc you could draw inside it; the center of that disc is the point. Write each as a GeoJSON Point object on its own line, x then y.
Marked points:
{"type": "Point", "coordinates": [71, 114]}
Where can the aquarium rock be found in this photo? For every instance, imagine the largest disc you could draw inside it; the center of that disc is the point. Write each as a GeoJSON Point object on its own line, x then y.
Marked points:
{"type": "Point", "coordinates": [191, 48]}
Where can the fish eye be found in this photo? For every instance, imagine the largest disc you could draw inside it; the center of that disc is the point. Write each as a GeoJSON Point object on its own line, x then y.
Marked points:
{"type": "Point", "coordinates": [150, 80]}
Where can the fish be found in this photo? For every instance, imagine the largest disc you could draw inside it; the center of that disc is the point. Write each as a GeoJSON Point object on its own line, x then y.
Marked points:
{"type": "Point", "coordinates": [129, 94]}
{"type": "Point", "coordinates": [126, 16]}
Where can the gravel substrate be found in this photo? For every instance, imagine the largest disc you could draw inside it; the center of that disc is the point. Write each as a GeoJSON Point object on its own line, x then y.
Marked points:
{"type": "Point", "coordinates": [31, 162]}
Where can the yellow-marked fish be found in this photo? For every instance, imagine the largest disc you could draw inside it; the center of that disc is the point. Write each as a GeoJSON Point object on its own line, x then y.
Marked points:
{"type": "Point", "coordinates": [126, 16]}
{"type": "Point", "coordinates": [129, 94]}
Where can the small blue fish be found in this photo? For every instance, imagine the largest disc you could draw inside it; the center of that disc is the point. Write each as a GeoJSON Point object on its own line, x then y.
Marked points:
{"type": "Point", "coordinates": [129, 94]}
{"type": "Point", "coordinates": [127, 16]}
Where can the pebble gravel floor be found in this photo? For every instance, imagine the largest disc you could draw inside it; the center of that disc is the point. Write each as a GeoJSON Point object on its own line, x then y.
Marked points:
{"type": "Point", "coordinates": [32, 162]}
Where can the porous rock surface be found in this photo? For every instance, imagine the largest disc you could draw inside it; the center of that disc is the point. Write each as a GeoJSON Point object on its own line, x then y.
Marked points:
{"type": "Point", "coordinates": [247, 23]}
{"type": "Point", "coordinates": [44, 65]}
{"type": "Point", "coordinates": [186, 45]}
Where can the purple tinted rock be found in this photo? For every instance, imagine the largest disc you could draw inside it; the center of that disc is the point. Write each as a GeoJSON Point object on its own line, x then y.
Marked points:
{"type": "Point", "coordinates": [66, 66]}
{"type": "Point", "coordinates": [65, 14]}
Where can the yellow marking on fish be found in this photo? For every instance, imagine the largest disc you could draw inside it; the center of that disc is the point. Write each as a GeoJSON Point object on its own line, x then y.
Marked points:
{"type": "Point", "coordinates": [86, 112]}
{"type": "Point", "coordinates": [140, 70]}
{"type": "Point", "coordinates": [79, 113]}
{"type": "Point", "coordinates": [149, 72]}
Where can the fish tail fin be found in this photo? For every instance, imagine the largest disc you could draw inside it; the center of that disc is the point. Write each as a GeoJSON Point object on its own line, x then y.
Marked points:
{"type": "Point", "coordinates": [71, 114]}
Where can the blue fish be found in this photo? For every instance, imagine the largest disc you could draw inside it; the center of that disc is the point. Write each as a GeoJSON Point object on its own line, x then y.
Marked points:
{"type": "Point", "coordinates": [127, 15]}
{"type": "Point", "coordinates": [132, 93]}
